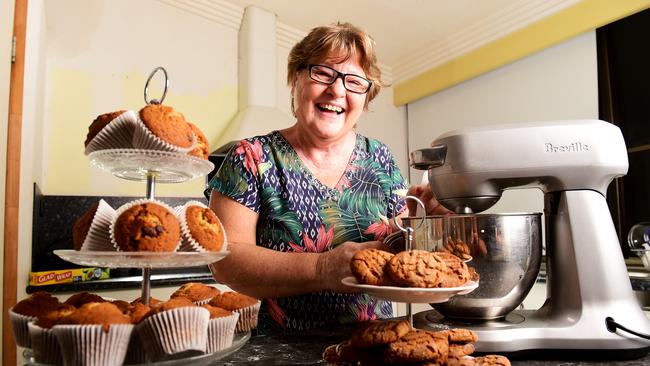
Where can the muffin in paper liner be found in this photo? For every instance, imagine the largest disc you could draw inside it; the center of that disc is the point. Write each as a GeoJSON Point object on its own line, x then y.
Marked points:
{"type": "Point", "coordinates": [135, 355]}
{"type": "Point", "coordinates": [92, 345]}
{"type": "Point", "coordinates": [247, 318]}
{"type": "Point", "coordinates": [221, 332]}
{"type": "Point", "coordinates": [45, 345]}
{"type": "Point", "coordinates": [189, 243]}
{"type": "Point", "coordinates": [175, 333]}
{"type": "Point", "coordinates": [127, 206]}
{"type": "Point", "coordinates": [19, 327]}
{"type": "Point", "coordinates": [145, 139]}
{"type": "Point", "coordinates": [98, 237]}
{"type": "Point", "coordinates": [118, 134]}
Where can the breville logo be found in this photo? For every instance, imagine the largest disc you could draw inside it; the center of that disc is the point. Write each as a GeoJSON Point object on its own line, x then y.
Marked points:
{"type": "Point", "coordinates": [572, 147]}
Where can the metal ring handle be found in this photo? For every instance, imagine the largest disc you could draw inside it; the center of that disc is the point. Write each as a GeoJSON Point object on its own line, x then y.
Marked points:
{"type": "Point", "coordinates": [146, 86]}
{"type": "Point", "coordinates": [424, 214]}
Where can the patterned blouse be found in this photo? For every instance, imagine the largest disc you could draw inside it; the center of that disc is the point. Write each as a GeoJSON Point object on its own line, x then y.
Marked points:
{"type": "Point", "coordinates": [298, 213]}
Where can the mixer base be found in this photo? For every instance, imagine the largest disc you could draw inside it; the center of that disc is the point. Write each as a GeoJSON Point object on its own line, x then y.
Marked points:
{"type": "Point", "coordinates": [525, 334]}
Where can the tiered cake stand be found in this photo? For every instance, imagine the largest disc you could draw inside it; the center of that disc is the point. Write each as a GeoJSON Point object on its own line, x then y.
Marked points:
{"type": "Point", "coordinates": [151, 167]}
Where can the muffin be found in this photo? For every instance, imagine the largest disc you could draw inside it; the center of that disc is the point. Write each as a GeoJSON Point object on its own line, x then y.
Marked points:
{"type": "Point", "coordinates": [196, 292]}
{"type": "Point", "coordinates": [43, 341]}
{"type": "Point", "coordinates": [91, 230]}
{"type": "Point", "coordinates": [27, 310]}
{"type": "Point", "coordinates": [94, 334]}
{"type": "Point", "coordinates": [153, 302]}
{"type": "Point", "coordinates": [112, 130]}
{"type": "Point", "coordinates": [202, 149]}
{"type": "Point", "coordinates": [78, 299]}
{"type": "Point", "coordinates": [176, 328]}
{"type": "Point", "coordinates": [99, 123]}
{"type": "Point", "coordinates": [82, 225]}
{"type": "Point", "coordinates": [146, 227]}
{"type": "Point", "coordinates": [162, 128]}
{"type": "Point", "coordinates": [221, 328]}
{"type": "Point", "coordinates": [247, 307]}
{"type": "Point", "coordinates": [201, 228]}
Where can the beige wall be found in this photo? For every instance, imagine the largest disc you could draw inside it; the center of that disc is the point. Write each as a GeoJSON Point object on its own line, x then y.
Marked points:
{"type": "Point", "coordinates": [557, 83]}
{"type": "Point", "coordinates": [87, 58]}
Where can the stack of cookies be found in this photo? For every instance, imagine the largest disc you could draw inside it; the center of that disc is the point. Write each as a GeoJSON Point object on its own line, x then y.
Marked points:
{"type": "Point", "coordinates": [413, 268]}
{"type": "Point", "coordinates": [393, 342]}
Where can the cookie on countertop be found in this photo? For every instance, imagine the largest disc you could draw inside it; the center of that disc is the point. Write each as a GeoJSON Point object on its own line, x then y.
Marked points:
{"type": "Point", "coordinates": [416, 268]}
{"type": "Point", "coordinates": [492, 360]}
{"type": "Point", "coordinates": [367, 266]}
{"type": "Point", "coordinates": [419, 346]}
{"type": "Point", "coordinates": [378, 332]}
{"type": "Point", "coordinates": [168, 125]}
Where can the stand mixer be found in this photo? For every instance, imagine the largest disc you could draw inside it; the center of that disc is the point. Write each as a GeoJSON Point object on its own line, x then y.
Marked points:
{"type": "Point", "coordinates": [590, 300]}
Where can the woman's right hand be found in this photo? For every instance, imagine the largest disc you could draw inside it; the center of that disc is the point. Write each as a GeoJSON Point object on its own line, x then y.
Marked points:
{"type": "Point", "coordinates": [334, 265]}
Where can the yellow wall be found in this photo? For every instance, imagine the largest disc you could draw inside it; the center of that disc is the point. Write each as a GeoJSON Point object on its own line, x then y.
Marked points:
{"type": "Point", "coordinates": [565, 24]}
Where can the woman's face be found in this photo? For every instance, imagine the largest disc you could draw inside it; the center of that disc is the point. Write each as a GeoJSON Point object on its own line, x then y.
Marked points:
{"type": "Point", "coordinates": [328, 112]}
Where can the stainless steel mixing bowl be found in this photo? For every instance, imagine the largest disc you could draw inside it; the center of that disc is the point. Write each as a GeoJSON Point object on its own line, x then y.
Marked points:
{"type": "Point", "coordinates": [505, 250]}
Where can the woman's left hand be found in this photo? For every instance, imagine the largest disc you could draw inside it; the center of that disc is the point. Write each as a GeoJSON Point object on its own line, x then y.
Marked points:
{"type": "Point", "coordinates": [424, 193]}
{"type": "Point", "coordinates": [334, 266]}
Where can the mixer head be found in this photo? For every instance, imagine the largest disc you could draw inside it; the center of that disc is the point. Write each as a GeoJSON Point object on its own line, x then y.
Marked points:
{"type": "Point", "coordinates": [468, 169]}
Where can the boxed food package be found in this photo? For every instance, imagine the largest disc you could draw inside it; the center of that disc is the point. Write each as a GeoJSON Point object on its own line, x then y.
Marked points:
{"type": "Point", "coordinates": [68, 276]}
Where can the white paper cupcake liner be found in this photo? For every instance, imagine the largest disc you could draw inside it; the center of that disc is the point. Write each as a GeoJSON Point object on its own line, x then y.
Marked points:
{"type": "Point", "coordinates": [221, 332]}
{"type": "Point", "coordinates": [98, 237]}
{"type": "Point", "coordinates": [248, 318]}
{"type": "Point", "coordinates": [45, 345]}
{"type": "Point", "coordinates": [91, 345]}
{"type": "Point", "coordinates": [127, 206]}
{"type": "Point", "coordinates": [135, 355]}
{"type": "Point", "coordinates": [19, 326]}
{"type": "Point", "coordinates": [143, 138]}
{"type": "Point", "coordinates": [118, 134]}
{"type": "Point", "coordinates": [175, 331]}
{"type": "Point", "coordinates": [188, 243]}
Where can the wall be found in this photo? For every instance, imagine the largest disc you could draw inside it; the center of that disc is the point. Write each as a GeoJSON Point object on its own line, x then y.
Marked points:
{"type": "Point", "coordinates": [557, 83]}
{"type": "Point", "coordinates": [87, 58]}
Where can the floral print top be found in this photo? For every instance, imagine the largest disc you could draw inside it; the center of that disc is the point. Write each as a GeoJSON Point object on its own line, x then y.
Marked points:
{"type": "Point", "coordinates": [298, 213]}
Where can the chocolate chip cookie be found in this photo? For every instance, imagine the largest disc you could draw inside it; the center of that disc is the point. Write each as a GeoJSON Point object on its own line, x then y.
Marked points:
{"type": "Point", "coordinates": [379, 332]}
{"type": "Point", "coordinates": [367, 266]}
{"type": "Point", "coordinates": [416, 268]}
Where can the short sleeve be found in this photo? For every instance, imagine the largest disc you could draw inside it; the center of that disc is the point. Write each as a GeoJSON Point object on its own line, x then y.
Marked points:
{"type": "Point", "coordinates": [237, 177]}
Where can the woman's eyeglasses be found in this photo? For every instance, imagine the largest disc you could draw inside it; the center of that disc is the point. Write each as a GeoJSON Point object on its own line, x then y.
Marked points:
{"type": "Point", "coordinates": [327, 75]}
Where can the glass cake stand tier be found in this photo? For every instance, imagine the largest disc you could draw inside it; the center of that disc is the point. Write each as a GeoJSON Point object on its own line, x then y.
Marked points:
{"type": "Point", "coordinates": [238, 342]}
{"type": "Point", "coordinates": [139, 259]}
{"type": "Point", "coordinates": [138, 164]}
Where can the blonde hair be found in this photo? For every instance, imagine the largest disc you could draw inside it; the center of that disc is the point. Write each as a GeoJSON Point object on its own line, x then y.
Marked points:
{"type": "Point", "coordinates": [336, 42]}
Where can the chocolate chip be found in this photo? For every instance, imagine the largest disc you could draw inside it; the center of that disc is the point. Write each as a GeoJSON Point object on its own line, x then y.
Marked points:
{"type": "Point", "coordinates": [149, 231]}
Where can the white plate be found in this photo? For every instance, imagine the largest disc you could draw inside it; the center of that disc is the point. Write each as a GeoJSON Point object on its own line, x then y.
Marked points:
{"type": "Point", "coordinates": [416, 295]}
{"type": "Point", "coordinates": [139, 259]}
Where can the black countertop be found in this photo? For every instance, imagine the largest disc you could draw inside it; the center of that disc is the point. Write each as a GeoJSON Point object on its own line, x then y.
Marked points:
{"type": "Point", "coordinates": [307, 349]}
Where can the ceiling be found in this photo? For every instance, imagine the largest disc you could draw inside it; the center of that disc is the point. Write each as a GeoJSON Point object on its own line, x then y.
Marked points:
{"type": "Point", "coordinates": [415, 35]}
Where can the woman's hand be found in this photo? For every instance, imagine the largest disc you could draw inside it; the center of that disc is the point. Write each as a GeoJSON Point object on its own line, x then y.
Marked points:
{"type": "Point", "coordinates": [424, 193]}
{"type": "Point", "coordinates": [333, 266]}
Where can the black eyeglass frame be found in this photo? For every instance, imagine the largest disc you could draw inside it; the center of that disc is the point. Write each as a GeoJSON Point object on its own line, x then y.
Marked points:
{"type": "Point", "coordinates": [339, 75]}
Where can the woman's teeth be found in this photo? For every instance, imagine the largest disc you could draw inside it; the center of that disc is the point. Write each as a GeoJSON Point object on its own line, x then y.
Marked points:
{"type": "Point", "coordinates": [331, 108]}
